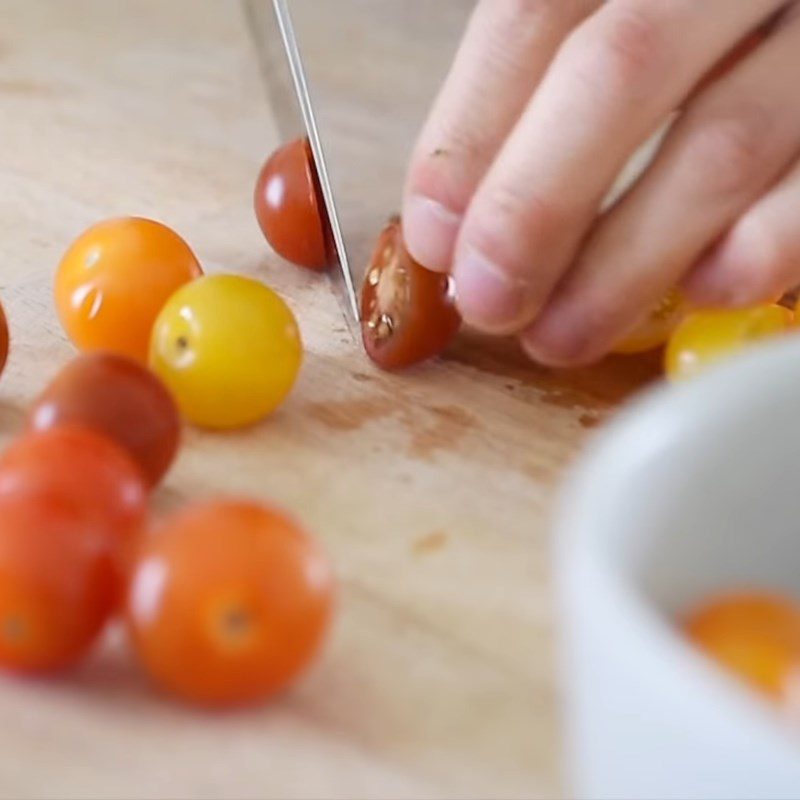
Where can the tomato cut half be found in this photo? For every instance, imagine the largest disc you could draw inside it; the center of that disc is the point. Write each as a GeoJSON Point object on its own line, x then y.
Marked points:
{"type": "Point", "coordinates": [287, 206]}
{"type": "Point", "coordinates": [408, 313]}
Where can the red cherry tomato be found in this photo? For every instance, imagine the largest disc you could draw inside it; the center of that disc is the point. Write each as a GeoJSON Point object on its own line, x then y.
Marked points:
{"type": "Point", "coordinates": [754, 634]}
{"type": "Point", "coordinates": [287, 206]}
{"type": "Point", "coordinates": [3, 340]}
{"type": "Point", "coordinates": [228, 602]}
{"type": "Point", "coordinates": [58, 581]}
{"type": "Point", "coordinates": [85, 473]}
{"type": "Point", "coordinates": [408, 313]}
{"type": "Point", "coordinates": [118, 398]}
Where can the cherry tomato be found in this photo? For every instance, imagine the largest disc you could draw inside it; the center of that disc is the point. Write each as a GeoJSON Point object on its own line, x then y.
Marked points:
{"type": "Point", "coordinates": [286, 201]}
{"type": "Point", "coordinates": [757, 635]}
{"type": "Point", "coordinates": [228, 348]}
{"type": "Point", "coordinates": [408, 313]}
{"type": "Point", "coordinates": [656, 327]}
{"type": "Point", "coordinates": [705, 337]}
{"type": "Point", "coordinates": [119, 398]}
{"type": "Point", "coordinates": [58, 581]}
{"type": "Point", "coordinates": [3, 340]}
{"type": "Point", "coordinates": [84, 472]}
{"type": "Point", "coordinates": [114, 279]}
{"type": "Point", "coordinates": [228, 602]}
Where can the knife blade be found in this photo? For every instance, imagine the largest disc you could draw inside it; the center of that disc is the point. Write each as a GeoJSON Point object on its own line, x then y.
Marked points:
{"type": "Point", "coordinates": [282, 68]}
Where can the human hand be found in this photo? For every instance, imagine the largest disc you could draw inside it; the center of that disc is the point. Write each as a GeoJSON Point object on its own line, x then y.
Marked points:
{"type": "Point", "coordinates": [546, 102]}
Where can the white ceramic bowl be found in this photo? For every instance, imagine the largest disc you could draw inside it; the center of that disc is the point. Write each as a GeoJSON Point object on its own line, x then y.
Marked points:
{"type": "Point", "coordinates": [692, 490]}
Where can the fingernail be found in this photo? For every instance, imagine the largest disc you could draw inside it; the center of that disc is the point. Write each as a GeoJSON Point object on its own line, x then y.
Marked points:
{"type": "Point", "coordinates": [710, 282]}
{"type": "Point", "coordinates": [557, 339]}
{"type": "Point", "coordinates": [430, 232]}
{"type": "Point", "coordinates": [486, 296]}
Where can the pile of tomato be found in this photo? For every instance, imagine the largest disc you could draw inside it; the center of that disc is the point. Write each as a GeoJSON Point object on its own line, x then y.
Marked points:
{"type": "Point", "coordinates": [225, 601]}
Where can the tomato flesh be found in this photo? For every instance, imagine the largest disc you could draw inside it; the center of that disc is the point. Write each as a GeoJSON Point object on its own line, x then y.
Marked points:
{"type": "Point", "coordinates": [408, 313]}
{"type": "Point", "coordinates": [229, 601]}
{"type": "Point", "coordinates": [119, 398]}
{"type": "Point", "coordinates": [288, 209]}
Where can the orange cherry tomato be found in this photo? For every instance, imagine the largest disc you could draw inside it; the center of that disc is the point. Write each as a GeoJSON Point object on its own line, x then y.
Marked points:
{"type": "Point", "coordinates": [408, 313]}
{"type": "Point", "coordinates": [114, 279]}
{"type": "Point", "coordinates": [119, 398]}
{"type": "Point", "coordinates": [287, 206]}
{"type": "Point", "coordinates": [654, 330]}
{"type": "Point", "coordinates": [754, 634]}
{"type": "Point", "coordinates": [3, 340]}
{"type": "Point", "coordinates": [58, 582]}
{"type": "Point", "coordinates": [228, 602]}
{"type": "Point", "coordinates": [85, 473]}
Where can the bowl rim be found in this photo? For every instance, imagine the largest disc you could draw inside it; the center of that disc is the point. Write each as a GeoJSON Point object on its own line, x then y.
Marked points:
{"type": "Point", "coordinates": [593, 495]}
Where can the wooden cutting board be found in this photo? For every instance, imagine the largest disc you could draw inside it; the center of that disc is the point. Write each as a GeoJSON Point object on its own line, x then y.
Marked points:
{"type": "Point", "coordinates": [430, 489]}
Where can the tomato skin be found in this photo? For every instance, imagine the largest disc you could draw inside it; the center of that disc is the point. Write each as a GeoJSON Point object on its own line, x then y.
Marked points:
{"type": "Point", "coordinates": [4, 340]}
{"type": "Point", "coordinates": [408, 313]}
{"type": "Point", "coordinates": [287, 206]}
{"type": "Point", "coordinates": [58, 582]}
{"type": "Point", "coordinates": [229, 350]}
{"type": "Point", "coordinates": [84, 472]}
{"type": "Point", "coordinates": [754, 634]}
{"type": "Point", "coordinates": [114, 279]}
{"type": "Point", "coordinates": [228, 602]}
{"type": "Point", "coordinates": [118, 398]}
{"type": "Point", "coordinates": [705, 337]}
{"type": "Point", "coordinates": [654, 330]}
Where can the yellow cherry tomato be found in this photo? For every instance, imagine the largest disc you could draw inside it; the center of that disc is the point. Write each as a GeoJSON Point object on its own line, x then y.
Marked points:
{"type": "Point", "coordinates": [705, 337]}
{"type": "Point", "coordinates": [754, 634]}
{"type": "Point", "coordinates": [656, 327]}
{"type": "Point", "coordinates": [228, 348]}
{"type": "Point", "coordinates": [115, 278]}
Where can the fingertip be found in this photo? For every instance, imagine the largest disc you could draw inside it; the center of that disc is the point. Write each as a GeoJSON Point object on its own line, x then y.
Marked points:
{"type": "Point", "coordinates": [734, 274]}
{"type": "Point", "coordinates": [430, 230]}
{"type": "Point", "coordinates": [555, 340]}
{"type": "Point", "coordinates": [487, 298]}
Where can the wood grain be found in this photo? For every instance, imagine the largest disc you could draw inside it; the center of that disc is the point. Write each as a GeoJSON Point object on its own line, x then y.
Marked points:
{"type": "Point", "coordinates": [431, 489]}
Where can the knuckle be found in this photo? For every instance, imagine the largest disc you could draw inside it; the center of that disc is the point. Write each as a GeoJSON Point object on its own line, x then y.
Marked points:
{"type": "Point", "coordinates": [442, 174]}
{"type": "Point", "coordinates": [729, 151]}
{"type": "Point", "coordinates": [510, 226]}
{"type": "Point", "coordinates": [631, 52]}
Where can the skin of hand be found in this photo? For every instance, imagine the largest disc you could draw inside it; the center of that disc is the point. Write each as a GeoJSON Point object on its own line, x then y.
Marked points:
{"type": "Point", "coordinates": [546, 102]}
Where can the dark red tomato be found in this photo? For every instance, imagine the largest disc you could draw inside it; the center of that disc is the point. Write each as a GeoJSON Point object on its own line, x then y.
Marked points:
{"type": "Point", "coordinates": [408, 313]}
{"type": "Point", "coordinates": [287, 206]}
{"type": "Point", "coordinates": [3, 339]}
{"type": "Point", "coordinates": [118, 398]}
